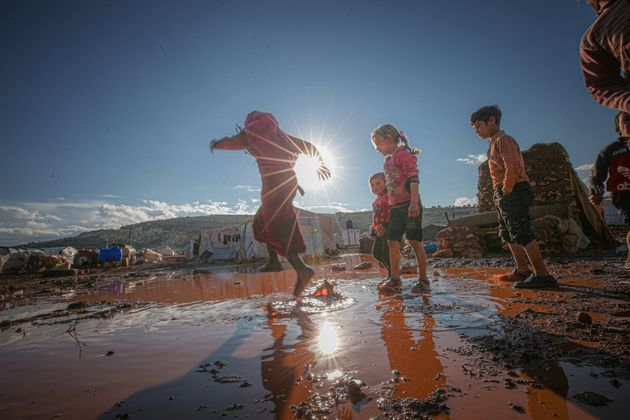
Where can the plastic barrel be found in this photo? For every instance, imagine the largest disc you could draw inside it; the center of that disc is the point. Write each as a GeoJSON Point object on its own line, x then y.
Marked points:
{"type": "Point", "coordinates": [110, 254]}
{"type": "Point", "coordinates": [430, 248]}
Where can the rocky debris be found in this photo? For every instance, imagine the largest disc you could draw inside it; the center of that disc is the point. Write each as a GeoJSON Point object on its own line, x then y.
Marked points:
{"type": "Point", "coordinates": [215, 369]}
{"type": "Point", "coordinates": [409, 267]}
{"type": "Point", "coordinates": [458, 242]}
{"type": "Point", "coordinates": [556, 234]}
{"type": "Point", "coordinates": [433, 405]}
{"type": "Point", "coordinates": [592, 398]}
{"type": "Point", "coordinates": [338, 268]}
{"type": "Point", "coordinates": [319, 405]}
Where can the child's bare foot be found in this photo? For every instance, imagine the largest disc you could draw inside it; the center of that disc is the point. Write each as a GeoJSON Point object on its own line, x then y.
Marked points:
{"type": "Point", "coordinates": [271, 267]}
{"type": "Point", "coordinates": [304, 276]}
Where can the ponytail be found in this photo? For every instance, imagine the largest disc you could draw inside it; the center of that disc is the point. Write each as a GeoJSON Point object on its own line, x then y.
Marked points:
{"type": "Point", "coordinates": [403, 138]}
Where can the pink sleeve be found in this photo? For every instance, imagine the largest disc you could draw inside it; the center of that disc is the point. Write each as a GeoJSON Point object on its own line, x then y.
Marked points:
{"type": "Point", "coordinates": [602, 76]}
{"type": "Point", "coordinates": [236, 142]}
{"type": "Point", "coordinates": [407, 162]}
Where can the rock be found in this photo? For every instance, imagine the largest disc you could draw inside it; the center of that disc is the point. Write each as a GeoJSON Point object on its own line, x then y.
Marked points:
{"type": "Point", "coordinates": [584, 318]}
{"type": "Point", "coordinates": [409, 268]}
{"type": "Point", "coordinates": [592, 398]}
{"type": "Point", "coordinates": [76, 305]}
{"type": "Point", "coordinates": [363, 266]}
{"type": "Point", "coordinates": [460, 241]}
{"type": "Point", "coordinates": [444, 253]}
{"type": "Point", "coordinates": [338, 268]}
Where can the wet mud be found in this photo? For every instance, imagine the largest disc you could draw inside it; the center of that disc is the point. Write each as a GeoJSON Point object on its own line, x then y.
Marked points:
{"type": "Point", "coordinates": [181, 341]}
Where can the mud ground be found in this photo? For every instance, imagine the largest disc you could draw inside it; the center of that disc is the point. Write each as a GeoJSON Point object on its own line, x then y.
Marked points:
{"type": "Point", "coordinates": [175, 339]}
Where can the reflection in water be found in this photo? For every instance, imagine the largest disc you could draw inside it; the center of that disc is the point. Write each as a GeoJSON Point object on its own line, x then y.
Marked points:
{"type": "Point", "coordinates": [327, 339]}
{"type": "Point", "coordinates": [282, 370]}
{"type": "Point", "coordinates": [415, 359]}
{"type": "Point", "coordinates": [300, 353]}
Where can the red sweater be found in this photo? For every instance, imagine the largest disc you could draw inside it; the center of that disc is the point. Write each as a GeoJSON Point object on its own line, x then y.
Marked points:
{"type": "Point", "coordinates": [380, 211]}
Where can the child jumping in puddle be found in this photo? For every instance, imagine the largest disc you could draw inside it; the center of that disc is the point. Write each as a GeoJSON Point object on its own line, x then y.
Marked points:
{"type": "Point", "coordinates": [512, 197]}
{"type": "Point", "coordinates": [275, 222]}
{"type": "Point", "coordinates": [380, 220]}
{"type": "Point", "coordinates": [401, 178]}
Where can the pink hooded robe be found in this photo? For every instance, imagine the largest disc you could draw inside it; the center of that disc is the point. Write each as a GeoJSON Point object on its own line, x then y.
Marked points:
{"type": "Point", "coordinates": [275, 222]}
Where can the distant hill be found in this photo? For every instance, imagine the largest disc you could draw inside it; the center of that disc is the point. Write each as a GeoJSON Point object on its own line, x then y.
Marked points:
{"type": "Point", "coordinates": [177, 233]}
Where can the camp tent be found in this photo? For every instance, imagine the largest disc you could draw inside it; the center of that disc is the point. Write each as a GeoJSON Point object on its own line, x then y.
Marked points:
{"type": "Point", "coordinates": [232, 243]}
{"type": "Point", "coordinates": [238, 243]}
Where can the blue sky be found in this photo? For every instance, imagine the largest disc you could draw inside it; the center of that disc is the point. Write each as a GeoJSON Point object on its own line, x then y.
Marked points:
{"type": "Point", "coordinates": [107, 107]}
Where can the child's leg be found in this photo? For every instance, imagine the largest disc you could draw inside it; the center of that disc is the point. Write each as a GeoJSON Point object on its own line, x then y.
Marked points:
{"type": "Point", "coordinates": [272, 264]}
{"type": "Point", "coordinates": [535, 258]}
{"type": "Point", "coordinates": [394, 258]}
{"type": "Point", "coordinates": [380, 251]}
{"type": "Point", "coordinates": [421, 258]}
{"type": "Point", "coordinates": [304, 273]}
{"type": "Point", "coordinates": [519, 257]}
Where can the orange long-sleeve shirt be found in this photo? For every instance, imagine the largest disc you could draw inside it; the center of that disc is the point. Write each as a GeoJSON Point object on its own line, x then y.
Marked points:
{"type": "Point", "coordinates": [505, 162]}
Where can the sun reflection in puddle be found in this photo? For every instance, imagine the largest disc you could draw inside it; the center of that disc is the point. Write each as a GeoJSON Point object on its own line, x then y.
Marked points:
{"type": "Point", "coordinates": [334, 375]}
{"type": "Point", "coordinates": [328, 342]}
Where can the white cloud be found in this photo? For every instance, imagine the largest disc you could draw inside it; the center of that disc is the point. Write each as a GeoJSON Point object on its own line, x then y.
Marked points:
{"type": "Point", "coordinates": [473, 159]}
{"type": "Point", "coordinates": [248, 188]}
{"type": "Point", "coordinates": [465, 201]}
{"type": "Point", "coordinates": [585, 167]}
{"type": "Point", "coordinates": [32, 221]}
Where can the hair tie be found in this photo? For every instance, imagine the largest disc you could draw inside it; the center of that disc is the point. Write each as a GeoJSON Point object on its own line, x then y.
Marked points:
{"type": "Point", "coordinates": [401, 134]}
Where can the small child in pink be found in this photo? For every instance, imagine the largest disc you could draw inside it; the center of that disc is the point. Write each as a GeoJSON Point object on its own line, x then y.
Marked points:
{"type": "Point", "coordinates": [275, 222]}
{"type": "Point", "coordinates": [380, 220]}
{"type": "Point", "coordinates": [401, 175]}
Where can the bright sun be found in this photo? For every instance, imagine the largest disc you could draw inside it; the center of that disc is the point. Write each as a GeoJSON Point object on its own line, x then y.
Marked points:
{"type": "Point", "coordinates": [306, 170]}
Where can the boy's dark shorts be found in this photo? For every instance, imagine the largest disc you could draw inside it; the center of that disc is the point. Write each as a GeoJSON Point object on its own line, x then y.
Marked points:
{"type": "Point", "coordinates": [514, 222]}
{"type": "Point", "coordinates": [400, 224]}
{"type": "Point", "coordinates": [621, 200]}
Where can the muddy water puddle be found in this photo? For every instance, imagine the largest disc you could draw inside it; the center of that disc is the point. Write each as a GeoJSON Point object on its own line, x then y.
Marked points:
{"type": "Point", "coordinates": [184, 345]}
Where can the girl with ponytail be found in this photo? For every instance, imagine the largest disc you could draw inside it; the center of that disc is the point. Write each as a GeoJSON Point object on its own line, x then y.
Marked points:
{"type": "Point", "coordinates": [401, 176]}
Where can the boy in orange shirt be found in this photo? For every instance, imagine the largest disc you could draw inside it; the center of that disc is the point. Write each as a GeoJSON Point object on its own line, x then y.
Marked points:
{"type": "Point", "coordinates": [512, 197]}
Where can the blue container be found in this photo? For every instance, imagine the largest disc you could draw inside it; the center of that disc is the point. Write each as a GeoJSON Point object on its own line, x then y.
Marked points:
{"type": "Point", "coordinates": [110, 254]}
{"type": "Point", "coordinates": [430, 248]}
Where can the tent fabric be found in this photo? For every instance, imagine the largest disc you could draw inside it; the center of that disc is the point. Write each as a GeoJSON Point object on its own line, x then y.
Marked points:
{"type": "Point", "coordinates": [238, 242]}
{"type": "Point", "coordinates": [232, 243]}
{"type": "Point", "coordinates": [166, 251]}
{"type": "Point", "coordinates": [151, 256]}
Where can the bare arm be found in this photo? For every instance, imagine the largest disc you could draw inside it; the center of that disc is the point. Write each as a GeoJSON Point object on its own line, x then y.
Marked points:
{"type": "Point", "coordinates": [236, 142]}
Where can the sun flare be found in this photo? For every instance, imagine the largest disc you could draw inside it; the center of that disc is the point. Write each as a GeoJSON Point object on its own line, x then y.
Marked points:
{"type": "Point", "coordinates": [328, 339]}
{"type": "Point", "coordinates": [306, 168]}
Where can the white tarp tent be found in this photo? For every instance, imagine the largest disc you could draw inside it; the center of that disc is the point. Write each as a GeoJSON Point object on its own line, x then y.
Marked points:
{"type": "Point", "coordinates": [238, 243]}
{"type": "Point", "coordinates": [232, 243]}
